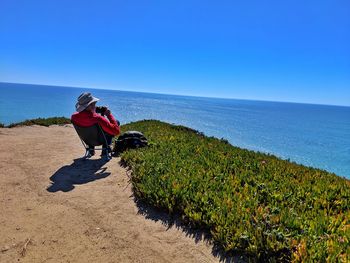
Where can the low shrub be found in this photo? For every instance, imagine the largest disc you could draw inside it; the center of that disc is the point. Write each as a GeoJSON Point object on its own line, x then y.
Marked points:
{"type": "Point", "coordinates": [252, 203]}
{"type": "Point", "coordinates": [42, 121]}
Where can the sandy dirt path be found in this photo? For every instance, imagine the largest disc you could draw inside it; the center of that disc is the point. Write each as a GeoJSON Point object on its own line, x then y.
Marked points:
{"type": "Point", "coordinates": [58, 209]}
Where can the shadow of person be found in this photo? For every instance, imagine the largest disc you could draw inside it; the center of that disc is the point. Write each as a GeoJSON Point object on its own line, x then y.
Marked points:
{"type": "Point", "coordinates": [81, 171]}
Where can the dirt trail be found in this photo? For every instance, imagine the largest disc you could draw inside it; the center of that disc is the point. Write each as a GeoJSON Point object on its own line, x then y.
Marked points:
{"type": "Point", "coordinates": [93, 219]}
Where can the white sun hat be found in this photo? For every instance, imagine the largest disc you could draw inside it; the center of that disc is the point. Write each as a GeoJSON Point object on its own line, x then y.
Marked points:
{"type": "Point", "coordinates": [84, 100]}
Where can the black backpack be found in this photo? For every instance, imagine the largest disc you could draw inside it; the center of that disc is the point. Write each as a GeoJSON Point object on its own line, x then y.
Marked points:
{"type": "Point", "coordinates": [130, 140]}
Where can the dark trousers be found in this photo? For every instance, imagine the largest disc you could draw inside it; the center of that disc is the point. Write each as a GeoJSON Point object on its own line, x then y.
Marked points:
{"type": "Point", "coordinates": [109, 139]}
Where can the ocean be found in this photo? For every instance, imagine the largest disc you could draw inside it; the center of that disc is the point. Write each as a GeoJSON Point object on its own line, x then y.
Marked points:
{"type": "Point", "coordinates": [312, 135]}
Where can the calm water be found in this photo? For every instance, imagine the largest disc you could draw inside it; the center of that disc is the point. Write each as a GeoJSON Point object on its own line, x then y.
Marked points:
{"type": "Point", "coordinates": [313, 135]}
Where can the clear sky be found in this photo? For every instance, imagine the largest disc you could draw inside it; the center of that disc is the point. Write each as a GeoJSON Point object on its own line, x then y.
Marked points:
{"type": "Point", "coordinates": [295, 51]}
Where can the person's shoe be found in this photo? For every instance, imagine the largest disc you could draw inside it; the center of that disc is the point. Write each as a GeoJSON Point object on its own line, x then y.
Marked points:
{"type": "Point", "coordinates": [91, 152]}
{"type": "Point", "coordinates": [105, 151]}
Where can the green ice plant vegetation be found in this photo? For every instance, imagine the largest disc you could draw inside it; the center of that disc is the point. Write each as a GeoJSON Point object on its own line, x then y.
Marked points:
{"type": "Point", "coordinates": [253, 204]}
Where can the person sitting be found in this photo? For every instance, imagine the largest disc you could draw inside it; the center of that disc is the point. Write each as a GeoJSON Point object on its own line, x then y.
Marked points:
{"type": "Point", "coordinates": [86, 116]}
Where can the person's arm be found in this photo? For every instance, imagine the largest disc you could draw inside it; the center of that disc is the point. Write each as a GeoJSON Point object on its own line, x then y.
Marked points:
{"type": "Point", "coordinates": [108, 113]}
{"type": "Point", "coordinates": [111, 125]}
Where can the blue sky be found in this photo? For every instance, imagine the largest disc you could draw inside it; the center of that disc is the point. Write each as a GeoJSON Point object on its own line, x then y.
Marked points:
{"type": "Point", "coordinates": [295, 51]}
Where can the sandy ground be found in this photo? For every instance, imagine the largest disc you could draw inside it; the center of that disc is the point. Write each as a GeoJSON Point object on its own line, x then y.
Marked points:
{"type": "Point", "coordinates": [55, 207]}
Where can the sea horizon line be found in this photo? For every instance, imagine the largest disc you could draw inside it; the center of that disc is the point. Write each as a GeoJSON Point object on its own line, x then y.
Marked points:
{"type": "Point", "coordinates": [178, 95]}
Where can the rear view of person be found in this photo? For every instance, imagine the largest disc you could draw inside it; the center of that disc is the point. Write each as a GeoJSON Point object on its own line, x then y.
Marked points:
{"type": "Point", "coordinates": [86, 116]}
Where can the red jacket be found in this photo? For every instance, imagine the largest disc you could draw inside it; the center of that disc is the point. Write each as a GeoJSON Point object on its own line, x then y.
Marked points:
{"type": "Point", "coordinates": [87, 118]}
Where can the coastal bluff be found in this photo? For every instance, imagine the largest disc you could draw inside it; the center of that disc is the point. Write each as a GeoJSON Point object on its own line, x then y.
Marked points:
{"type": "Point", "coordinates": [59, 209]}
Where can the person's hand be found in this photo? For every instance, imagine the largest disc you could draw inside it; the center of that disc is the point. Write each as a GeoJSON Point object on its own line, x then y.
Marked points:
{"type": "Point", "coordinates": [107, 112]}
